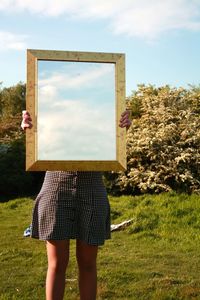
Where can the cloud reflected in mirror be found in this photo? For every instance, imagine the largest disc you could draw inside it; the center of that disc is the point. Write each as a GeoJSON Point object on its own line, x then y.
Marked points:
{"type": "Point", "coordinates": [76, 111]}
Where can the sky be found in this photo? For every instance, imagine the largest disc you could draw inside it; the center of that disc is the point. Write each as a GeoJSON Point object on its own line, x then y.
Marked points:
{"type": "Point", "coordinates": [161, 39]}
{"type": "Point", "coordinates": [85, 97]}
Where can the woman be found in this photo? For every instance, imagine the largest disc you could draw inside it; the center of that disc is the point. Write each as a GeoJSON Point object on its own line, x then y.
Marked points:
{"type": "Point", "coordinates": [72, 205]}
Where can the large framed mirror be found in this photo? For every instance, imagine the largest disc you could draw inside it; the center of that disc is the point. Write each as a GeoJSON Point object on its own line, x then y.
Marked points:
{"type": "Point", "coordinates": [75, 100]}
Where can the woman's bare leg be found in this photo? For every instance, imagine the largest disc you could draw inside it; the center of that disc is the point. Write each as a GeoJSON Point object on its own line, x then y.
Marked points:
{"type": "Point", "coordinates": [86, 258]}
{"type": "Point", "coordinates": [58, 257]}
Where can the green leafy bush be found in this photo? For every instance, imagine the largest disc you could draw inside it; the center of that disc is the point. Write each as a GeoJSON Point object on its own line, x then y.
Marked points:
{"type": "Point", "coordinates": [15, 181]}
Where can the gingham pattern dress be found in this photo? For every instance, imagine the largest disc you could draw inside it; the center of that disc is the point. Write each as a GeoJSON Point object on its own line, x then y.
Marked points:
{"type": "Point", "coordinates": [72, 205]}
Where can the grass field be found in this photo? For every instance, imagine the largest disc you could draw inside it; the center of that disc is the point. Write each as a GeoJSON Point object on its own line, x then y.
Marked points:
{"type": "Point", "coordinates": [157, 257]}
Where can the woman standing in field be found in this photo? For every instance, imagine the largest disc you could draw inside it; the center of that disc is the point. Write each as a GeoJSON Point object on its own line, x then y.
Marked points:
{"type": "Point", "coordinates": [72, 205]}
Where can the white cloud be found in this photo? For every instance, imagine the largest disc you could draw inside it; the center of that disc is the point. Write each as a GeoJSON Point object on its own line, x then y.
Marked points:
{"type": "Point", "coordinates": [12, 41]}
{"type": "Point", "coordinates": [146, 19]}
{"type": "Point", "coordinates": [76, 131]}
{"type": "Point", "coordinates": [81, 77]}
{"type": "Point", "coordinates": [75, 128]}
{"type": "Point", "coordinates": [150, 19]}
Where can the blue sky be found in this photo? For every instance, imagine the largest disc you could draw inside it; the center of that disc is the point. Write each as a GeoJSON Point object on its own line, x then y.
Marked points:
{"type": "Point", "coordinates": [161, 39]}
{"type": "Point", "coordinates": [85, 97]}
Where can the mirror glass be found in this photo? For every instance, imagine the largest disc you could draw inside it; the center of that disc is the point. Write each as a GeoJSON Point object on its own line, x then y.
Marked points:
{"type": "Point", "coordinates": [76, 111]}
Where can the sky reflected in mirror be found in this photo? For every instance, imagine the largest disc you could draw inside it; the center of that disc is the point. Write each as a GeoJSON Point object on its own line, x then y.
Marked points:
{"type": "Point", "coordinates": [76, 111]}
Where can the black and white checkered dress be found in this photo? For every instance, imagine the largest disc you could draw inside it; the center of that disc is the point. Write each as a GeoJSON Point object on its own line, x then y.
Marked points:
{"type": "Point", "coordinates": [72, 205]}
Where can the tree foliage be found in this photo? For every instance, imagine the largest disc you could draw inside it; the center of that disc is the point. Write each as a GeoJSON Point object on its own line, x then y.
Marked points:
{"type": "Point", "coordinates": [12, 100]}
{"type": "Point", "coordinates": [14, 180]}
{"type": "Point", "coordinates": [163, 143]}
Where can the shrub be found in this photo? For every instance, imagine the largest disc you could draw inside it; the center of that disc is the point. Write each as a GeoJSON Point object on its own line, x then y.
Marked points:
{"type": "Point", "coordinates": [15, 181]}
{"type": "Point", "coordinates": [163, 143]}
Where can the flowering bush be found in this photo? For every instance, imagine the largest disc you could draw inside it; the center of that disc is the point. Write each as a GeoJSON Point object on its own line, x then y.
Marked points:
{"type": "Point", "coordinates": [163, 143]}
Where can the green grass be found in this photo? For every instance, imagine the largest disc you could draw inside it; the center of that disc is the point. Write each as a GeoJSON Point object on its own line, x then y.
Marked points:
{"type": "Point", "coordinates": [157, 257]}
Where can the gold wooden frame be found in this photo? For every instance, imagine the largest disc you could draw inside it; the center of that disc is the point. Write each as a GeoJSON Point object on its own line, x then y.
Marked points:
{"type": "Point", "coordinates": [32, 163]}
